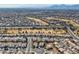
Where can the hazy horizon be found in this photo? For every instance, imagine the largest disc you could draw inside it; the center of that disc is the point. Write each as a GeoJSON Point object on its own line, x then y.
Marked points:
{"type": "Point", "coordinates": [30, 5]}
{"type": "Point", "coordinates": [23, 5]}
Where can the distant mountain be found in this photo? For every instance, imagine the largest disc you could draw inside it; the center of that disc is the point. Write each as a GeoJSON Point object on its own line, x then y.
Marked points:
{"type": "Point", "coordinates": [62, 6]}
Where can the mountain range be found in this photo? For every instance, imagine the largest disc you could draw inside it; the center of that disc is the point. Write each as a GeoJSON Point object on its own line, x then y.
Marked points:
{"type": "Point", "coordinates": [62, 6]}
